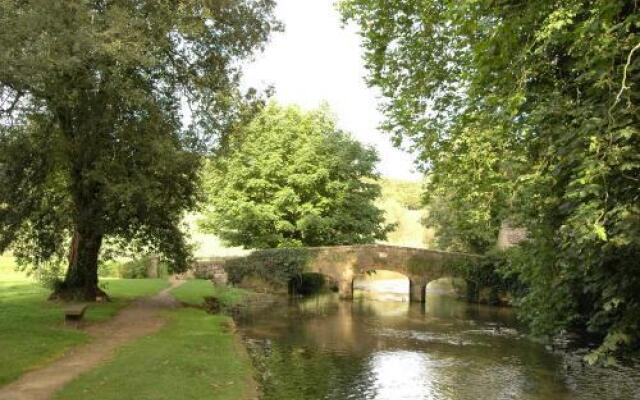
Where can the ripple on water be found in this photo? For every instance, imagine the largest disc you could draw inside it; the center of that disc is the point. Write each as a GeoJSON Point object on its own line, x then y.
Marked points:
{"type": "Point", "coordinates": [430, 337]}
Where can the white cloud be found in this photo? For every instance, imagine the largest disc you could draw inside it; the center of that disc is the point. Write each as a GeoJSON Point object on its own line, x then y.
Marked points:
{"type": "Point", "coordinates": [316, 60]}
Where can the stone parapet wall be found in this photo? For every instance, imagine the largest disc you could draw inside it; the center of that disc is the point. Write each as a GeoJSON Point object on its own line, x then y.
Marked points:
{"type": "Point", "coordinates": [357, 260]}
{"type": "Point", "coordinates": [211, 268]}
{"type": "Point", "coordinates": [510, 236]}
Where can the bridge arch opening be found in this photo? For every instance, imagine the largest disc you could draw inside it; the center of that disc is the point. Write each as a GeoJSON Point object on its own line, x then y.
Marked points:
{"type": "Point", "coordinates": [383, 285]}
{"type": "Point", "coordinates": [447, 286]}
{"type": "Point", "coordinates": [308, 283]}
{"type": "Point", "coordinates": [395, 286]}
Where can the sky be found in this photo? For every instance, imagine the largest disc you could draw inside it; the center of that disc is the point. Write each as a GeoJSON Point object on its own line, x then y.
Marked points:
{"type": "Point", "coordinates": [318, 60]}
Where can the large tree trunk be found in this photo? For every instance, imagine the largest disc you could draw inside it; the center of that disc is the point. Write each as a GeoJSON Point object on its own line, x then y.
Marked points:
{"type": "Point", "coordinates": [81, 280]}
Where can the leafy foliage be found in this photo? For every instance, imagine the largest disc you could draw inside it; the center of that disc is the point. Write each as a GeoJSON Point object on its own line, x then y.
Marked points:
{"type": "Point", "coordinates": [492, 272]}
{"type": "Point", "coordinates": [275, 266]}
{"type": "Point", "coordinates": [468, 192]}
{"type": "Point", "coordinates": [525, 111]}
{"type": "Point", "coordinates": [407, 193]}
{"type": "Point", "coordinates": [134, 269]}
{"type": "Point", "coordinates": [139, 268]}
{"type": "Point", "coordinates": [291, 178]}
{"type": "Point", "coordinates": [92, 144]}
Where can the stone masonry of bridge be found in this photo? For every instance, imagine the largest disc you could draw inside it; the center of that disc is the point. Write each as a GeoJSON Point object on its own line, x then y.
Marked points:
{"type": "Point", "coordinates": [342, 264]}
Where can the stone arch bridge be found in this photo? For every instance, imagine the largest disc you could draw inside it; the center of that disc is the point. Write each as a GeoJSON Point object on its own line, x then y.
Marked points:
{"type": "Point", "coordinates": [343, 264]}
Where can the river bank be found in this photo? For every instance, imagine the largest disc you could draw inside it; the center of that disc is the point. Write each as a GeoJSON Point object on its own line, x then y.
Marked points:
{"type": "Point", "coordinates": [323, 348]}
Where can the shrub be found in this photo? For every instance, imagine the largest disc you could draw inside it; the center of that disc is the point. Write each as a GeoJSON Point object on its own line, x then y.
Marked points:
{"type": "Point", "coordinates": [135, 269]}
{"type": "Point", "coordinates": [139, 268]}
{"type": "Point", "coordinates": [109, 269]}
{"type": "Point", "coordinates": [163, 269]}
{"type": "Point", "coordinates": [51, 276]}
{"type": "Point", "coordinates": [490, 272]}
{"type": "Point", "coordinates": [274, 266]}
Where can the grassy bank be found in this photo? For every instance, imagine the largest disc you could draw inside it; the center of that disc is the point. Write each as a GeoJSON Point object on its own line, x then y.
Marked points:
{"type": "Point", "coordinates": [32, 331]}
{"type": "Point", "coordinates": [195, 356]}
{"type": "Point", "coordinates": [194, 291]}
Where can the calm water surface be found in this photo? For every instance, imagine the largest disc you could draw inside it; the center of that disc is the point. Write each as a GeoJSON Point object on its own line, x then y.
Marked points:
{"type": "Point", "coordinates": [324, 348]}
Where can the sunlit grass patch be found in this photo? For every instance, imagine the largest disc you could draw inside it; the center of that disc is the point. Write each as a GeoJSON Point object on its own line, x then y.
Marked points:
{"type": "Point", "coordinates": [121, 293]}
{"type": "Point", "coordinates": [31, 330]}
{"type": "Point", "coordinates": [194, 291]}
{"type": "Point", "coordinates": [8, 271]}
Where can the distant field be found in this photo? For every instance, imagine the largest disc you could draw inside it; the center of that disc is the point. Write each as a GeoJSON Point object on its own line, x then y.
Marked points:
{"type": "Point", "coordinates": [8, 271]}
{"type": "Point", "coordinates": [402, 203]}
{"type": "Point", "coordinates": [208, 245]}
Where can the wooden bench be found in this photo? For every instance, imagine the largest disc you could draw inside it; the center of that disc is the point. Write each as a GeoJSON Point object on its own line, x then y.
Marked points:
{"type": "Point", "coordinates": [74, 313]}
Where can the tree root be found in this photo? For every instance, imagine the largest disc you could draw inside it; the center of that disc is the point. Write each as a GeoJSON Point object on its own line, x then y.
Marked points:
{"type": "Point", "coordinates": [78, 294]}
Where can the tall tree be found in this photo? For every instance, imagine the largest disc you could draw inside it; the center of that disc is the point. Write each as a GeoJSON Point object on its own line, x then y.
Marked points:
{"type": "Point", "coordinates": [92, 141]}
{"type": "Point", "coordinates": [291, 178]}
{"type": "Point", "coordinates": [550, 89]}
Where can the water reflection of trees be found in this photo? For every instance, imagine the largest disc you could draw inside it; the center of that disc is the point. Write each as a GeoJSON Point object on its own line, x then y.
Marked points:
{"type": "Point", "coordinates": [306, 373]}
{"type": "Point", "coordinates": [322, 348]}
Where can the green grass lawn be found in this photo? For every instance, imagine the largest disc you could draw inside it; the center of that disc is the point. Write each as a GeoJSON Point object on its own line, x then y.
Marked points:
{"type": "Point", "coordinates": [31, 328]}
{"type": "Point", "coordinates": [195, 356]}
{"type": "Point", "coordinates": [193, 292]}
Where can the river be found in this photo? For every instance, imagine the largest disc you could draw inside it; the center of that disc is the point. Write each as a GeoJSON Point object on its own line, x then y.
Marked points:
{"type": "Point", "coordinates": [368, 348]}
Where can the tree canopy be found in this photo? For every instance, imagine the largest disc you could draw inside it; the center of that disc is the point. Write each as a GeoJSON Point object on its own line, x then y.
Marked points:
{"type": "Point", "coordinates": [526, 111]}
{"type": "Point", "coordinates": [291, 178]}
{"type": "Point", "coordinates": [93, 147]}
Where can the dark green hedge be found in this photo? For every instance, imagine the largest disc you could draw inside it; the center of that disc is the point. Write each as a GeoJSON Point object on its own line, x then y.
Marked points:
{"type": "Point", "coordinates": [490, 272]}
{"type": "Point", "coordinates": [275, 266]}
